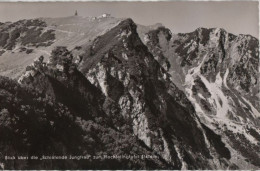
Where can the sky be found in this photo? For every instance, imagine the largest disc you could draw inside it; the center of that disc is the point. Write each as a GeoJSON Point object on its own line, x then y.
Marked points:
{"type": "Point", "coordinates": [237, 17]}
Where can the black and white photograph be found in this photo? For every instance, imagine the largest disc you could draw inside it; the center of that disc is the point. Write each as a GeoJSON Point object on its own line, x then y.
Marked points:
{"type": "Point", "coordinates": [120, 85]}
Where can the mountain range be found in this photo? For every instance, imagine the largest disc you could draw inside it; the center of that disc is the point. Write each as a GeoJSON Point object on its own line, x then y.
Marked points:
{"type": "Point", "coordinates": [104, 86]}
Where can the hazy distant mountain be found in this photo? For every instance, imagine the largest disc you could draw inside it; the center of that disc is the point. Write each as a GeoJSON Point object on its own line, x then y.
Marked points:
{"type": "Point", "coordinates": [106, 86]}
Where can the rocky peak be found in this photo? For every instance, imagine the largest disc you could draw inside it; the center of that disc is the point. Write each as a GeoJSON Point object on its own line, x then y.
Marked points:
{"type": "Point", "coordinates": [157, 39]}
{"type": "Point", "coordinates": [120, 65]}
{"type": "Point", "coordinates": [220, 71]}
{"type": "Point", "coordinates": [153, 35]}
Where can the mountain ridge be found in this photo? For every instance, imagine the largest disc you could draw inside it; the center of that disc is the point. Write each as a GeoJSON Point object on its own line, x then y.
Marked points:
{"type": "Point", "coordinates": [133, 78]}
{"type": "Point", "coordinates": [206, 91]}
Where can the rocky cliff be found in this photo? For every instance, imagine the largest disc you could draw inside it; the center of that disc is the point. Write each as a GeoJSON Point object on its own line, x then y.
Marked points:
{"type": "Point", "coordinates": [188, 100]}
{"type": "Point", "coordinates": [218, 72]}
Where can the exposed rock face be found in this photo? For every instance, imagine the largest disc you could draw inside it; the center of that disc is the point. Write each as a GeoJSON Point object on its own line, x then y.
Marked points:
{"type": "Point", "coordinates": [218, 72]}
{"type": "Point", "coordinates": [85, 106]}
{"type": "Point", "coordinates": [182, 98]}
{"type": "Point", "coordinates": [35, 124]}
{"type": "Point", "coordinates": [140, 90]}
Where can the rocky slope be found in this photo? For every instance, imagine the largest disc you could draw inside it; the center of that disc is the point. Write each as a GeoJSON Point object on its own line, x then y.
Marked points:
{"type": "Point", "coordinates": [111, 87]}
{"type": "Point", "coordinates": [21, 41]}
{"type": "Point", "coordinates": [35, 124]}
{"type": "Point", "coordinates": [218, 72]}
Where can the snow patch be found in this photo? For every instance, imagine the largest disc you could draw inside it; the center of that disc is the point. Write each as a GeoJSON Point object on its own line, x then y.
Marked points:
{"type": "Point", "coordinates": [200, 96]}
{"type": "Point", "coordinates": [218, 80]}
{"type": "Point", "coordinates": [218, 99]}
{"type": "Point", "coordinates": [184, 165]}
{"type": "Point", "coordinates": [101, 77]}
{"type": "Point", "coordinates": [225, 78]}
{"type": "Point", "coordinates": [189, 82]}
{"type": "Point", "coordinates": [254, 112]}
{"type": "Point", "coordinates": [193, 46]}
{"type": "Point", "coordinates": [221, 102]}
{"type": "Point", "coordinates": [240, 129]}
